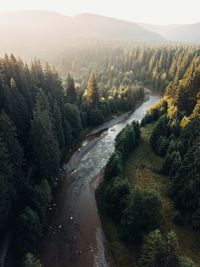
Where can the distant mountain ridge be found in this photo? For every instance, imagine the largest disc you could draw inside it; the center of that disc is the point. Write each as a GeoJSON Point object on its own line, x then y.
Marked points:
{"type": "Point", "coordinates": [43, 33]}
{"type": "Point", "coordinates": [102, 27]}
{"type": "Point", "coordinates": [189, 33]}
{"type": "Point", "coordinates": [27, 32]}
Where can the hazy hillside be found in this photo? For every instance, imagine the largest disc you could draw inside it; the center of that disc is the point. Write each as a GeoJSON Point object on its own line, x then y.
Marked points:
{"type": "Point", "coordinates": [38, 33]}
{"type": "Point", "coordinates": [178, 33]}
{"type": "Point", "coordinates": [100, 27]}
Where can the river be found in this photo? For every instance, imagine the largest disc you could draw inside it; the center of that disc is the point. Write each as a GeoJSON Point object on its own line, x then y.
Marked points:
{"type": "Point", "coordinates": [75, 237]}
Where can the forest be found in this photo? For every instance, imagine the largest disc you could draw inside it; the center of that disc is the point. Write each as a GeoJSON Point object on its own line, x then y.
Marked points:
{"type": "Point", "coordinates": [42, 113]}
{"type": "Point", "coordinates": [39, 119]}
{"type": "Point", "coordinates": [132, 207]}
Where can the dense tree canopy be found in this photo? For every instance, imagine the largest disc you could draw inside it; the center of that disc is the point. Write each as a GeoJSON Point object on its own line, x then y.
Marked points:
{"type": "Point", "coordinates": [39, 119]}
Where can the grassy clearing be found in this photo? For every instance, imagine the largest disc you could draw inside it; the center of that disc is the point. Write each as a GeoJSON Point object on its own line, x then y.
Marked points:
{"type": "Point", "coordinates": [142, 170]}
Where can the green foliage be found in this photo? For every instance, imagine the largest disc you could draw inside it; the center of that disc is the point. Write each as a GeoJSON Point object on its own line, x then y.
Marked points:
{"type": "Point", "coordinates": [181, 147]}
{"type": "Point", "coordinates": [185, 186]}
{"type": "Point", "coordinates": [41, 197]}
{"type": "Point", "coordinates": [115, 191]}
{"type": "Point", "coordinates": [158, 140]}
{"type": "Point", "coordinates": [171, 163]}
{"type": "Point", "coordinates": [28, 232]}
{"type": "Point", "coordinates": [45, 150]}
{"type": "Point", "coordinates": [116, 197]}
{"type": "Point", "coordinates": [142, 215]}
{"type": "Point", "coordinates": [31, 261]}
{"type": "Point", "coordinates": [73, 116]}
{"type": "Point", "coordinates": [91, 94]}
{"type": "Point", "coordinates": [7, 190]}
{"type": "Point", "coordinates": [38, 119]}
{"type": "Point", "coordinates": [152, 115]}
{"type": "Point", "coordinates": [8, 133]}
{"type": "Point", "coordinates": [126, 140]}
{"type": "Point", "coordinates": [136, 127]}
{"type": "Point", "coordinates": [159, 250]}
{"type": "Point", "coordinates": [114, 167]}
{"type": "Point", "coordinates": [58, 125]}
{"type": "Point", "coordinates": [185, 262]}
{"type": "Point", "coordinates": [71, 96]}
{"type": "Point", "coordinates": [95, 117]}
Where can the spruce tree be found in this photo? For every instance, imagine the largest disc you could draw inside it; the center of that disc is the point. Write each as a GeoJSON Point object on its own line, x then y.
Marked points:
{"type": "Point", "coordinates": [7, 191]}
{"type": "Point", "coordinates": [71, 96]}
{"type": "Point", "coordinates": [92, 93]}
{"type": "Point", "coordinates": [44, 143]}
{"type": "Point", "coordinates": [9, 134]}
{"type": "Point", "coordinates": [58, 125]}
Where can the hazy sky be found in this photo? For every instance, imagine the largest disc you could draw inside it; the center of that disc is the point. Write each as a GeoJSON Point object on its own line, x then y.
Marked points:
{"type": "Point", "coordinates": [150, 11]}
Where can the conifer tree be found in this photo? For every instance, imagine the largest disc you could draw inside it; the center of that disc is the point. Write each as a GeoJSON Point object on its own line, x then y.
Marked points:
{"type": "Point", "coordinates": [92, 93]}
{"type": "Point", "coordinates": [43, 140]}
{"type": "Point", "coordinates": [71, 96]}
{"type": "Point", "coordinates": [7, 191]}
{"type": "Point", "coordinates": [58, 125]}
{"type": "Point", "coordinates": [9, 134]}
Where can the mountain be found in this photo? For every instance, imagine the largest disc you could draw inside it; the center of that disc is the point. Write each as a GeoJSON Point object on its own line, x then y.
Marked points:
{"type": "Point", "coordinates": [100, 27]}
{"type": "Point", "coordinates": [189, 33]}
{"type": "Point", "coordinates": [35, 33]}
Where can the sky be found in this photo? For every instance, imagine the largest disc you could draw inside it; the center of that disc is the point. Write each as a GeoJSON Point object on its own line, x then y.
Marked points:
{"type": "Point", "coordinates": [144, 11]}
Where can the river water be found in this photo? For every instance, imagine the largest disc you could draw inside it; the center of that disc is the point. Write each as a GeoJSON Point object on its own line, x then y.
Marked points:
{"type": "Point", "coordinates": [75, 237]}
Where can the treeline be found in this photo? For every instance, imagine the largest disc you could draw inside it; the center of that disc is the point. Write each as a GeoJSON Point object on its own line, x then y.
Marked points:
{"type": "Point", "coordinates": [155, 66]}
{"type": "Point", "coordinates": [176, 138]}
{"type": "Point", "coordinates": [114, 193]}
{"type": "Point", "coordinates": [136, 212]}
{"type": "Point", "coordinates": [38, 120]}
{"type": "Point", "coordinates": [33, 131]}
{"type": "Point", "coordinates": [181, 149]}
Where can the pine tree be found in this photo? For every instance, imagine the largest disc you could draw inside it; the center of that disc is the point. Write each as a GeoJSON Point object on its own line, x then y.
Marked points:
{"type": "Point", "coordinates": [92, 93]}
{"type": "Point", "coordinates": [9, 134]}
{"type": "Point", "coordinates": [45, 149]}
{"type": "Point", "coordinates": [7, 191]}
{"type": "Point", "coordinates": [58, 125]}
{"type": "Point", "coordinates": [71, 96]}
{"type": "Point", "coordinates": [28, 231]}
{"type": "Point", "coordinates": [40, 198]}
{"type": "Point", "coordinates": [18, 111]}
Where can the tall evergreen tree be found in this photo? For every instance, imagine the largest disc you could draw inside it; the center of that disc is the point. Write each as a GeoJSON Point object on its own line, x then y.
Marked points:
{"type": "Point", "coordinates": [92, 93]}
{"type": "Point", "coordinates": [58, 125]}
{"type": "Point", "coordinates": [9, 134]}
{"type": "Point", "coordinates": [7, 191]}
{"type": "Point", "coordinates": [43, 140]}
{"type": "Point", "coordinates": [71, 96]}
